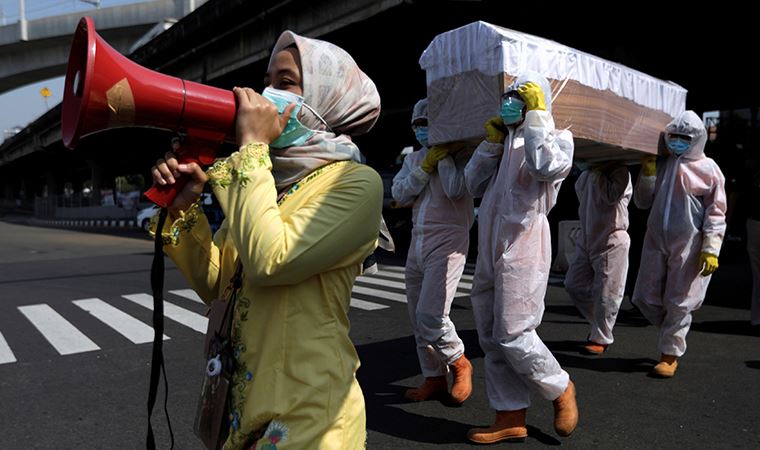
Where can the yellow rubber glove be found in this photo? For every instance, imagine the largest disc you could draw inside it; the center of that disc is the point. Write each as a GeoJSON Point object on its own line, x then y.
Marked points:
{"type": "Point", "coordinates": [435, 154]}
{"type": "Point", "coordinates": [495, 130]}
{"type": "Point", "coordinates": [708, 263]}
{"type": "Point", "coordinates": [452, 147]}
{"type": "Point", "coordinates": [533, 96]}
{"type": "Point", "coordinates": [649, 166]}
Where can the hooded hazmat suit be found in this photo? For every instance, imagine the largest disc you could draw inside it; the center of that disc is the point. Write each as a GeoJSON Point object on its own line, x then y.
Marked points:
{"type": "Point", "coordinates": [519, 181]}
{"type": "Point", "coordinates": [688, 201]}
{"type": "Point", "coordinates": [442, 215]}
{"type": "Point", "coordinates": [596, 277]}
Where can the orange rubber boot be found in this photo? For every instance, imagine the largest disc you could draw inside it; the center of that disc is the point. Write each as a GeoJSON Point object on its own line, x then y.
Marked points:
{"type": "Point", "coordinates": [667, 366]}
{"type": "Point", "coordinates": [509, 426]}
{"type": "Point", "coordinates": [462, 386]}
{"type": "Point", "coordinates": [432, 387]}
{"type": "Point", "coordinates": [566, 412]}
{"type": "Point", "coordinates": [592, 348]}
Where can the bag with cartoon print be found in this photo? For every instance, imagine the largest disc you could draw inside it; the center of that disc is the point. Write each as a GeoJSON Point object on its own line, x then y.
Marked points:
{"type": "Point", "coordinates": [212, 423]}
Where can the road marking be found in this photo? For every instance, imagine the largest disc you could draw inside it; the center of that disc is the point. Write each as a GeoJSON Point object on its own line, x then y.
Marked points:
{"type": "Point", "coordinates": [383, 273]}
{"type": "Point", "coordinates": [465, 285]}
{"type": "Point", "coordinates": [365, 305]}
{"type": "Point", "coordinates": [187, 293]}
{"type": "Point", "coordinates": [397, 269]}
{"type": "Point", "coordinates": [193, 320]}
{"type": "Point", "coordinates": [61, 334]}
{"type": "Point", "coordinates": [6, 355]}
{"type": "Point", "coordinates": [373, 279]}
{"type": "Point", "coordinates": [401, 269]}
{"type": "Point", "coordinates": [381, 283]}
{"type": "Point", "coordinates": [380, 294]}
{"type": "Point", "coordinates": [126, 325]}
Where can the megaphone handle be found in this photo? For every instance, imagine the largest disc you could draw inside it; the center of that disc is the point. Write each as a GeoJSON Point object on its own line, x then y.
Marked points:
{"type": "Point", "coordinates": [163, 195]}
{"type": "Point", "coordinates": [199, 147]}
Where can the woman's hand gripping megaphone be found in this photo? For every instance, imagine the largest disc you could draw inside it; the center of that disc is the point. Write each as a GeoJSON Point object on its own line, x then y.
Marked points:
{"type": "Point", "coordinates": [168, 170]}
{"type": "Point", "coordinates": [257, 120]}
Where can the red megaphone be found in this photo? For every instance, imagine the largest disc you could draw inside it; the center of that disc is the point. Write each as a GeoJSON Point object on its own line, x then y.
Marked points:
{"type": "Point", "coordinates": [104, 89]}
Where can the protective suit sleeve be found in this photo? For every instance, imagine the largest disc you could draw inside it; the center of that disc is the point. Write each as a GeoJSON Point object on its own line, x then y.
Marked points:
{"type": "Point", "coordinates": [714, 220]}
{"type": "Point", "coordinates": [409, 182]}
{"type": "Point", "coordinates": [580, 184]}
{"type": "Point", "coordinates": [643, 194]}
{"type": "Point", "coordinates": [548, 152]}
{"type": "Point", "coordinates": [335, 222]}
{"type": "Point", "coordinates": [452, 178]}
{"type": "Point", "coordinates": [481, 167]}
{"type": "Point", "coordinates": [188, 242]}
{"type": "Point", "coordinates": [615, 185]}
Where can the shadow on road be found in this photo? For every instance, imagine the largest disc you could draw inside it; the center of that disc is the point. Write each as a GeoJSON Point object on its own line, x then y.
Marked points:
{"type": "Point", "coordinates": [733, 327]}
{"type": "Point", "coordinates": [79, 275]}
{"type": "Point", "coordinates": [753, 364]}
{"type": "Point", "coordinates": [626, 317]}
{"type": "Point", "coordinates": [596, 363]}
{"type": "Point", "coordinates": [540, 436]}
{"type": "Point", "coordinates": [379, 377]}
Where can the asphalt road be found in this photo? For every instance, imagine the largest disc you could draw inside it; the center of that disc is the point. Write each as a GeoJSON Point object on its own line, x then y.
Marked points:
{"type": "Point", "coordinates": [89, 391]}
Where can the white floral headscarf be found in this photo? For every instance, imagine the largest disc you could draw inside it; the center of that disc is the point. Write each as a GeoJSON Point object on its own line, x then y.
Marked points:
{"type": "Point", "coordinates": [345, 97]}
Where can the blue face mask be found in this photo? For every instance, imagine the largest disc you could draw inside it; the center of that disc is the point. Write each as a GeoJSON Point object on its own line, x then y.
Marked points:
{"type": "Point", "coordinates": [678, 146]}
{"type": "Point", "coordinates": [295, 133]}
{"type": "Point", "coordinates": [421, 133]}
{"type": "Point", "coordinates": [511, 110]}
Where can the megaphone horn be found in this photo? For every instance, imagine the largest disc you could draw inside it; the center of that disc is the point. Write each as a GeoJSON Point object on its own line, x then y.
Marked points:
{"type": "Point", "coordinates": [104, 89]}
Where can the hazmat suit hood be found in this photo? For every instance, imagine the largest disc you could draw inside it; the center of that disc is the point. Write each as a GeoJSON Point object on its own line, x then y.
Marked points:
{"type": "Point", "coordinates": [688, 123]}
{"type": "Point", "coordinates": [420, 110]}
{"type": "Point", "coordinates": [540, 80]}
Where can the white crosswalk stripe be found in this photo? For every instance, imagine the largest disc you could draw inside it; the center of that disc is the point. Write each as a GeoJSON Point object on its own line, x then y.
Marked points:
{"type": "Point", "coordinates": [126, 325]}
{"type": "Point", "coordinates": [386, 274]}
{"type": "Point", "coordinates": [371, 293]}
{"type": "Point", "coordinates": [188, 318]}
{"type": "Point", "coordinates": [365, 305]}
{"type": "Point", "coordinates": [397, 269]}
{"type": "Point", "coordinates": [397, 272]}
{"type": "Point", "coordinates": [377, 281]}
{"type": "Point", "coordinates": [381, 283]}
{"type": "Point", "coordinates": [393, 296]}
{"type": "Point", "coordinates": [465, 285]}
{"type": "Point", "coordinates": [6, 355]}
{"type": "Point", "coordinates": [187, 293]}
{"type": "Point", "coordinates": [59, 332]}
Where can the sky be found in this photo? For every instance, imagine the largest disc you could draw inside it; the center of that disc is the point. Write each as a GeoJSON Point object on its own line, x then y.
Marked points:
{"type": "Point", "coordinates": [23, 105]}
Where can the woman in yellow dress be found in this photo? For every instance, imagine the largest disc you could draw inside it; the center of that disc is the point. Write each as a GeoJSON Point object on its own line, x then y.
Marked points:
{"type": "Point", "coordinates": [301, 214]}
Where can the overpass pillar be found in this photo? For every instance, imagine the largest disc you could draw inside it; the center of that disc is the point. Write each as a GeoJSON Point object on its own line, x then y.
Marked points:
{"type": "Point", "coordinates": [96, 175]}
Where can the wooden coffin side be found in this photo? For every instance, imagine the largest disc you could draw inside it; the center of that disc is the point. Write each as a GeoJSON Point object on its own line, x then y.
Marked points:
{"type": "Point", "coordinates": [604, 125]}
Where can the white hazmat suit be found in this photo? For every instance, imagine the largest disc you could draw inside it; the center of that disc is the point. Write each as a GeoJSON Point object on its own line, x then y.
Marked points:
{"type": "Point", "coordinates": [519, 181]}
{"type": "Point", "coordinates": [442, 215]}
{"type": "Point", "coordinates": [596, 277]}
{"type": "Point", "coordinates": [688, 201]}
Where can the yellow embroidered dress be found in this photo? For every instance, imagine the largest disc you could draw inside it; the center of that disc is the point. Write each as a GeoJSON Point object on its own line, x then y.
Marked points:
{"type": "Point", "coordinates": [295, 378]}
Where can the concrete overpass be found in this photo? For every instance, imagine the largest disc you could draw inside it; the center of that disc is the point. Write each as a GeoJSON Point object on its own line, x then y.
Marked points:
{"type": "Point", "coordinates": [222, 43]}
{"type": "Point", "coordinates": [227, 43]}
{"type": "Point", "coordinates": [38, 49]}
